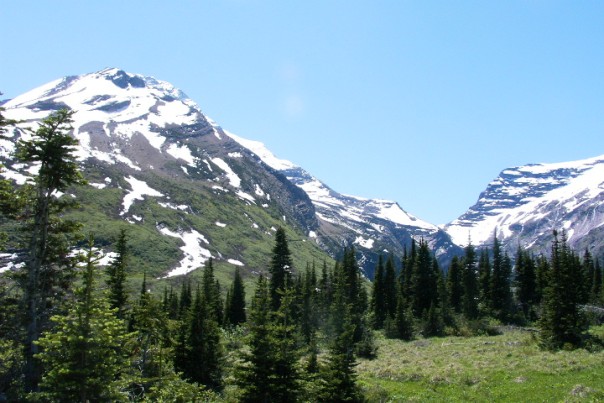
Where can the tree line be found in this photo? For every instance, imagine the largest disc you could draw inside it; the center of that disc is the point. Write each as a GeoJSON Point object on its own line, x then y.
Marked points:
{"type": "Point", "coordinates": [73, 331]}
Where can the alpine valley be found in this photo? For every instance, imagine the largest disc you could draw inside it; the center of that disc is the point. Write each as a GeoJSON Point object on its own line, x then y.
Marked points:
{"type": "Point", "coordinates": [188, 190]}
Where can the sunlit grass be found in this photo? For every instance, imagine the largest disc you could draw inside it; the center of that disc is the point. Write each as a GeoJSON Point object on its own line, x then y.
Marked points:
{"type": "Point", "coordinates": [509, 367]}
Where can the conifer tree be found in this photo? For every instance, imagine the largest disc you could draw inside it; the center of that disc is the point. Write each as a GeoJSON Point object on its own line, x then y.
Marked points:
{"type": "Point", "coordinates": [280, 269]}
{"type": "Point", "coordinates": [116, 273]}
{"type": "Point", "coordinates": [561, 322]}
{"type": "Point", "coordinates": [500, 291]}
{"type": "Point", "coordinates": [390, 289]}
{"type": "Point", "coordinates": [484, 282]}
{"type": "Point", "coordinates": [454, 285]}
{"type": "Point", "coordinates": [83, 355]}
{"type": "Point", "coordinates": [470, 283]}
{"type": "Point", "coordinates": [203, 349]}
{"type": "Point", "coordinates": [211, 292]}
{"type": "Point", "coordinates": [526, 281]}
{"type": "Point", "coordinates": [543, 271]}
{"type": "Point", "coordinates": [255, 372]}
{"type": "Point", "coordinates": [48, 269]}
{"type": "Point", "coordinates": [338, 378]}
{"type": "Point", "coordinates": [596, 288]}
{"type": "Point", "coordinates": [235, 306]}
{"type": "Point", "coordinates": [378, 300]}
{"type": "Point", "coordinates": [423, 287]}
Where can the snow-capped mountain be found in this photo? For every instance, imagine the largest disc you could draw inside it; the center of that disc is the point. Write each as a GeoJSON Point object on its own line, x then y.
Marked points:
{"type": "Point", "coordinates": [156, 161]}
{"type": "Point", "coordinates": [525, 204]}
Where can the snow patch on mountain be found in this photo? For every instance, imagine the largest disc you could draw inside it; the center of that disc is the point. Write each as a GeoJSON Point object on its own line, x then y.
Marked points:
{"type": "Point", "coordinates": [139, 189]}
{"type": "Point", "coordinates": [195, 255]}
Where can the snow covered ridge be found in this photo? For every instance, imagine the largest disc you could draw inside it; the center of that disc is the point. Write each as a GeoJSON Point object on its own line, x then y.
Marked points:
{"type": "Point", "coordinates": [528, 202]}
{"type": "Point", "coordinates": [114, 103]}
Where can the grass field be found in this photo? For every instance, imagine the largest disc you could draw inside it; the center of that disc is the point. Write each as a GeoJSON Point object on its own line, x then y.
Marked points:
{"type": "Point", "coordinates": [508, 368]}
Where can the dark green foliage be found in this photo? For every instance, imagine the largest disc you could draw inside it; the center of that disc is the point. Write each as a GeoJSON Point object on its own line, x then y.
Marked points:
{"type": "Point", "coordinates": [526, 282]}
{"type": "Point", "coordinates": [390, 289]}
{"type": "Point", "coordinates": [255, 373]}
{"type": "Point", "coordinates": [83, 355]}
{"type": "Point", "coordinates": [235, 303]}
{"type": "Point", "coordinates": [455, 285]}
{"type": "Point", "coordinates": [378, 295]}
{"type": "Point", "coordinates": [47, 271]}
{"type": "Point", "coordinates": [469, 303]}
{"type": "Point", "coordinates": [596, 288]}
{"type": "Point", "coordinates": [562, 323]}
{"type": "Point", "coordinates": [280, 269]}
{"type": "Point", "coordinates": [423, 287]}
{"type": "Point", "coordinates": [203, 350]}
{"type": "Point", "coordinates": [338, 379]}
{"type": "Point", "coordinates": [116, 275]}
{"type": "Point", "coordinates": [484, 281]}
{"type": "Point", "coordinates": [499, 286]}
{"type": "Point", "coordinates": [211, 293]}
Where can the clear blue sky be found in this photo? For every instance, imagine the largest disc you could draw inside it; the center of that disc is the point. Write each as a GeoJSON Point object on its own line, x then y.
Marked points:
{"type": "Point", "coordinates": [422, 102]}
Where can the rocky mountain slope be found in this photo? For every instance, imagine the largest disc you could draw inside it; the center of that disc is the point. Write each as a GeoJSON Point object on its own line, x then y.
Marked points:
{"type": "Point", "coordinates": [189, 190]}
{"type": "Point", "coordinates": [525, 204]}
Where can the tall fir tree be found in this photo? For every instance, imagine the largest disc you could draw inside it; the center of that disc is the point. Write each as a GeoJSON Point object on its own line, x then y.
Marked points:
{"type": "Point", "coordinates": [235, 306]}
{"type": "Point", "coordinates": [390, 289]}
{"type": "Point", "coordinates": [116, 275]}
{"type": "Point", "coordinates": [484, 282]}
{"type": "Point", "coordinates": [83, 355]}
{"type": "Point", "coordinates": [469, 303]}
{"type": "Point", "coordinates": [48, 270]}
{"type": "Point", "coordinates": [500, 287]}
{"type": "Point", "coordinates": [562, 322]}
{"type": "Point", "coordinates": [526, 282]}
{"type": "Point", "coordinates": [203, 349]}
{"type": "Point", "coordinates": [455, 285]}
{"type": "Point", "coordinates": [378, 296]}
{"type": "Point", "coordinates": [280, 269]}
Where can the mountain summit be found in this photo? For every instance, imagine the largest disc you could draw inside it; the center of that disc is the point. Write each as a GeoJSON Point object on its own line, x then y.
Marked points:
{"type": "Point", "coordinates": [158, 163]}
{"type": "Point", "coordinates": [525, 204]}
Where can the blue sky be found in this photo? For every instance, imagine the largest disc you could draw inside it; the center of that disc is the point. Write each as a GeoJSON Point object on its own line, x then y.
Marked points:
{"type": "Point", "coordinates": [422, 102]}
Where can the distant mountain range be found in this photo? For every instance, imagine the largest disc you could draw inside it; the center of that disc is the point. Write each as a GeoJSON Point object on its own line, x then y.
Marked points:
{"type": "Point", "coordinates": [189, 190]}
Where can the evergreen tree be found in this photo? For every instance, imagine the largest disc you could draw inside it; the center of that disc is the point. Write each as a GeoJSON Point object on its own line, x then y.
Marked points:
{"type": "Point", "coordinates": [203, 349]}
{"type": "Point", "coordinates": [470, 283]}
{"type": "Point", "coordinates": [562, 322]}
{"type": "Point", "coordinates": [338, 379]}
{"type": "Point", "coordinates": [48, 269]}
{"type": "Point", "coordinates": [390, 289]}
{"type": "Point", "coordinates": [280, 269]}
{"type": "Point", "coordinates": [454, 285]}
{"type": "Point", "coordinates": [378, 295]}
{"type": "Point", "coordinates": [255, 372]}
{"type": "Point", "coordinates": [587, 270]}
{"type": "Point", "coordinates": [501, 294]}
{"type": "Point", "coordinates": [116, 273]}
{"type": "Point", "coordinates": [423, 287]}
{"type": "Point", "coordinates": [235, 307]}
{"type": "Point", "coordinates": [484, 282]}
{"type": "Point", "coordinates": [211, 292]}
{"type": "Point", "coordinates": [596, 288]}
{"type": "Point", "coordinates": [543, 271]}
{"type": "Point", "coordinates": [402, 325]}
{"type": "Point", "coordinates": [83, 355]}
{"type": "Point", "coordinates": [526, 281]}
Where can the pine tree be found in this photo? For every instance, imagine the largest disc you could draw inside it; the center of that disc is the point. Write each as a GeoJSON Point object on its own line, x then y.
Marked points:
{"type": "Point", "coordinates": [235, 307]}
{"type": "Point", "coordinates": [526, 281]}
{"type": "Point", "coordinates": [116, 272]}
{"type": "Point", "coordinates": [83, 355]}
{"type": "Point", "coordinates": [48, 269]}
{"type": "Point", "coordinates": [390, 287]}
{"type": "Point", "coordinates": [338, 378]}
{"type": "Point", "coordinates": [484, 282]}
{"type": "Point", "coordinates": [203, 349]}
{"type": "Point", "coordinates": [561, 322]}
{"type": "Point", "coordinates": [255, 372]}
{"type": "Point", "coordinates": [454, 285]}
{"type": "Point", "coordinates": [378, 300]}
{"type": "Point", "coordinates": [211, 292]}
{"type": "Point", "coordinates": [470, 284]}
{"type": "Point", "coordinates": [280, 269]}
{"type": "Point", "coordinates": [500, 291]}
{"type": "Point", "coordinates": [423, 287]}
{"type": "Point", "coordinates": [596, 288]}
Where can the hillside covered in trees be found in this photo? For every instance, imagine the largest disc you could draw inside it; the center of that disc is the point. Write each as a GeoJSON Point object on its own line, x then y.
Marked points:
{"type": "Point", "coordinates": [73, 329]}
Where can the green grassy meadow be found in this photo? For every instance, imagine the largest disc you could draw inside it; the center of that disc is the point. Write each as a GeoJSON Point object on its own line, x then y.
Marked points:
{"type": "Point", "coordinates": [506, 368]}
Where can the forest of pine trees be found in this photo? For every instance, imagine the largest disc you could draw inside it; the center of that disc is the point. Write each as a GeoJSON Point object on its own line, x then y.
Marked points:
{"type": "Point", "coordinates": [71, 331]}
